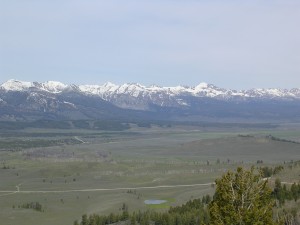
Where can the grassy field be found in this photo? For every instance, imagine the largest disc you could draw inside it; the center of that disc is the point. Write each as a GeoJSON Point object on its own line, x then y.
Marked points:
{"type": "Point", "coordinates": [72, 172]}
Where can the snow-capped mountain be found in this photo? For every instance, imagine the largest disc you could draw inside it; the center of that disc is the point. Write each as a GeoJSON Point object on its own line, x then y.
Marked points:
{"type": "Point", "coordinates": [55, 97]}
{"type": "Point", "coordinates": [158, 95]}
{"type": "Point", "coordinates": [49, 86]}
{"type": "Point", "coordinates": [16, 85]}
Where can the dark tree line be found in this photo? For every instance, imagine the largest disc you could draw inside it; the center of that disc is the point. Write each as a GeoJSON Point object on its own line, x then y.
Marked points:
{"type": "Point", "coordinates": [269, 171]}
{"type": "Point", "coordinates": [192, 213]}
{"type": "Point", "coordinates": [32, 205]}
{"type": "Point", "coordinates": [282, 193]}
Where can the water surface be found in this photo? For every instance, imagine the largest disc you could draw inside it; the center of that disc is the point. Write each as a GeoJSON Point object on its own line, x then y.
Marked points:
{"type": "Point", "coordinates": [154, 202]}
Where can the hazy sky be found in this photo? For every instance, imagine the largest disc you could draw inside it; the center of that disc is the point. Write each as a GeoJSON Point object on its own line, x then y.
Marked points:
{"type": "Point", "coordinates": [232, 44]}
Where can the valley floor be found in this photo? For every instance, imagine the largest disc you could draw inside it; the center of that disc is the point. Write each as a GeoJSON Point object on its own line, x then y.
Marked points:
{"type": "Point", "coordinates": [98, 172]}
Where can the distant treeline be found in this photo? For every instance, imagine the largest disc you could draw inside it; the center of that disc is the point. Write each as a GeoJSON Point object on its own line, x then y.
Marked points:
{"type": "Point", "coordinates": [269, 171]}
{"type": "Point", "coordinates": [16, 145]}
{"type": "Point", "coordinates": [281, 139]}
{"type": "Point", "coordinates": [271, 137]}
{"type": "Point", "coordinates": [32, 205]}
{"type": "Point", "coordinates": [116, 125]}
{"type": "Point", "coordinates": [54, 124]}
{"type": "Point", "coordinates": [282, 193]}
{"type": "Point", "coordinates": [193, 212]}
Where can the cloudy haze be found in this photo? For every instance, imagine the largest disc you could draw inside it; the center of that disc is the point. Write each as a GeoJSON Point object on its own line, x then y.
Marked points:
{"type": "Point", "coordinates": [232, 44]}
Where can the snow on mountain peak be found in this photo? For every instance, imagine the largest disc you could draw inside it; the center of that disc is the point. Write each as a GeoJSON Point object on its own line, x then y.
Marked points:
{"type": "Point", "coordinates": [109, 84]}
{"type": "Point", "coordinates": [131, 88]}
{"type": "Point", "coordinates": [98, 89]}
{"type": "Point", "coordinates": [113, 91]}
{"type": "Point", "coordinates": [16, 85]}
{"type": "Point", "coordinates": [201, 86]}
{"type": "Point", "coordinates": [209, 90]}
{"type": "Point", "coordinates": [176, 90]}
{"type": "Point", "coordinates": [53, 86]}
{"type": "Point", "coordinates": [49, 86]}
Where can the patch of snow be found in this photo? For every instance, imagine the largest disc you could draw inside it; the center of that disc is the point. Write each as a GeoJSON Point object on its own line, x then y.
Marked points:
{"type": "Point", "coordinates": [2, 102]}
{"type": "Point", "coordinates": [133, 89]}
{"type": "Point", "coordinates": [154, 88]}
{"type": "Point", "coordinates": [201, 86]}
{"type": "Point", "coordinates": [182, 102]}
{"type": "Point", "coordinates": [16, 85]}
{"type": "Point", "coordinates": [295, 92]}
{"type": "Point", "coordinates": [69, 103]}
{"type": "Point", "coordinates": [53, 86]}
{"type": "Point", "coordinates": [176, 90]}
{"type": "Point", "coordinates": [98, 89]}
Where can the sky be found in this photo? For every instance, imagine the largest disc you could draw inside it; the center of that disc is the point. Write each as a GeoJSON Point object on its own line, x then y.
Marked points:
{"type": "Point", "coordinates": [232, 44]}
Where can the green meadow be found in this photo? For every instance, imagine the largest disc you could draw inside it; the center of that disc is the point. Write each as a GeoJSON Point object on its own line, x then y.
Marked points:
{"type": "Point", "coordinates": [70, 172]}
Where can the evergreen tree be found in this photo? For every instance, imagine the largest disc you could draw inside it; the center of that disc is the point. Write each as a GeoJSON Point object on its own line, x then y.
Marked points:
{"type": "Point", "coordinates": [294, 191]}
{"type": "Point", "coordinates": [84, 220]}
{"type": "Point", "coordinates": [278, 192]}
{"type": "Point", "coordinates": [241, 198]}
{"type": "Point", "coordinates": [133, 219]}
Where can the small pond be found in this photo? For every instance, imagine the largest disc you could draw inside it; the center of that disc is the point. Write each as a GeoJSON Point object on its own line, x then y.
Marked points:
{"type": "Point", "coordinates": [154, 202]}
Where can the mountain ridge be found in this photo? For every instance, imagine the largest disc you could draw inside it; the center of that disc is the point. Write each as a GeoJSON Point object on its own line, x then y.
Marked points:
{"type": "Point", "coordinates": [202, 89]}
{"type": "Point", "coordinates": [55, 100]}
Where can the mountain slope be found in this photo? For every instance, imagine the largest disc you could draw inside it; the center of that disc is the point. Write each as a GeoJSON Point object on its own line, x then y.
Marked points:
{"type": "Point", "coordinates": [54, 100]}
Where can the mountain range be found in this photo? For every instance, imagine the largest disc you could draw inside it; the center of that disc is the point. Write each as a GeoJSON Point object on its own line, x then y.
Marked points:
{"type": "Point", "coordinates": [21, 100]}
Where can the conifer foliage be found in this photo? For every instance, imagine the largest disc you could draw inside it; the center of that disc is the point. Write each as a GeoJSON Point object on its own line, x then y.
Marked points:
{"type": "Point", "coordinates": [242, 198]}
